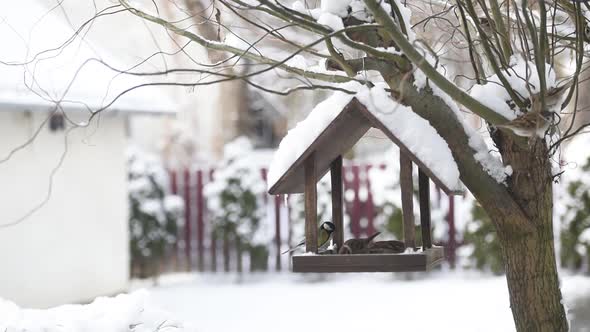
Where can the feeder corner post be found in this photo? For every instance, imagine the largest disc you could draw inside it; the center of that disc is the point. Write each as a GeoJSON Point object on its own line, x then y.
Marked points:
{"type": "Point", "coordinates": [424, 193]}
{"type": "Point", "coordinates": [407, 191]}
{"type": "Point", "coordinates": [337, 200]}
{"type": "Point", "coordinates": [311, 229]}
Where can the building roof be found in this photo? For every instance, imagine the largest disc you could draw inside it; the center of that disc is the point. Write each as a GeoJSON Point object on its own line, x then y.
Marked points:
{"type": "Point", "coordinates": [42, 64]}
{"type": "Point", "coordinates": [339, 132]}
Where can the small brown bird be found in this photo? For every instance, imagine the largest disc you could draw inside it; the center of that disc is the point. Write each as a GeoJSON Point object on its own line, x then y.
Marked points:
{"type": "Point", "coordinates": [529, 124]}
{"type": "Point", "coordinates": [488, 26]}
{"type": "Point", "coordinates": [387, 247]}
{"type": "Point", "coordinates": [538, 119]}
{"type": "Point", "coordinates": [553, 98]}
{"type": "Point", "coordinates": [357, 246]}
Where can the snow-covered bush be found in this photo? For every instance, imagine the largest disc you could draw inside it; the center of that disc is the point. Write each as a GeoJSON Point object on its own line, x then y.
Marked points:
{"type": "Point", "coordinates": [574, 214]}
{"type": "Point", "coordinates": [235, 199]}
{"type": "Point", "coordinates": [387, 199]}
{"type": "Point", "coordinates": [387, 195]}
{"type": "Point", "coordinates": [155, 214]}
{"type": "Point", "coordinates": [386, 192]}
{"type": "Point", "coordinates": [297, 209]}
{"type": "Point", "coordinates": [482, 246]}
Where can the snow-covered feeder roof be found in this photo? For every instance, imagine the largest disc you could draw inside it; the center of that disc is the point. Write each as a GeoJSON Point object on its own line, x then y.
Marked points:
{"type": "Point", "coordinates": [44, 62]}
{"type": "Point", "coordinates": [333, 128]}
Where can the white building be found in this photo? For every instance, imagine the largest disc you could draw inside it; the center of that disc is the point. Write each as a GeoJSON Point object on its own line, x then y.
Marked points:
{"type": "Point", "coordinates": [63, 194]}
{"type": "Point", "coordinates": [209, 115]}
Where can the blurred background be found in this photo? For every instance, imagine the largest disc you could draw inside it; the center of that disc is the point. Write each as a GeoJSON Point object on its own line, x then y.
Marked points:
{"type": "Point", "coordinates": [167, 190]}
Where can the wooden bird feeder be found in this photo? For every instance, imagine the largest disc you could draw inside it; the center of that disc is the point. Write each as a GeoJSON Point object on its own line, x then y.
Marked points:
{"type": "Point", "coordinates": [324, 154]}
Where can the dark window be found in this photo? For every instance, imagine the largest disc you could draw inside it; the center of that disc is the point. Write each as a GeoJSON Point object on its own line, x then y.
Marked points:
{"type": "Point", "coordinates": [57, 122]}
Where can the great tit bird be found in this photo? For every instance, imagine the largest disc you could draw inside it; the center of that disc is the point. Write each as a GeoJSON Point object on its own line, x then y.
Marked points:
{"type": "Point", "coordinates": [386, 247]}
{"type": "Point", "coordinates": [357, 246]}
{"type": "Point", "coordinates": [324, 235]}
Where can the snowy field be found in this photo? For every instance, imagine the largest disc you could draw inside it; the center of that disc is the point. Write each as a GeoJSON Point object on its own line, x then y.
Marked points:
{"type": "Point", "coordinates": [259, 303]}
{"type": "Point", "coordinates": [369, 302]}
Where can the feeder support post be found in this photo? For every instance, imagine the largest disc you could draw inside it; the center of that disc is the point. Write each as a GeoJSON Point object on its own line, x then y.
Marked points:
{"type": "Point", "coordinates": [424, 189]}
{"type": "Point", "coordinates": [311, 212]}
{"type": "Point", "coordinates": [405, 180]}
{"type": "Point", "coordinates": [337, 203]}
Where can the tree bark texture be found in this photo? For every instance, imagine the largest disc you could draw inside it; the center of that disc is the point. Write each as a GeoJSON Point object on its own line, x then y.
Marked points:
{"type": "Point", "coordinates": [531, 269]}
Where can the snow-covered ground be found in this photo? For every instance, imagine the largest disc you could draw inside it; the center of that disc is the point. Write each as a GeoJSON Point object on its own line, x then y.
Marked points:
{"type": "Point", "coordinates": [288, 302]}
{"type": "Point", "coordinates": [371, 302]}
{"type": "Point", "coordinates": [135, 312]}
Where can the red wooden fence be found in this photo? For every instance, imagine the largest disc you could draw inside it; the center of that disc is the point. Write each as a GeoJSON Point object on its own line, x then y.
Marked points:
{"type": "Point", "coordinates": [197, 246]}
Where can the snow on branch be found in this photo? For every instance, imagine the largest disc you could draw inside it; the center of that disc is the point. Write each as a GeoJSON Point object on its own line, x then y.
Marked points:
{"type": "Point", "coordinates": [245, 53]}
{"type": "Point", "coordinates": [523, 79]}
{"type": "Point", "coordinates": [417, 57]}
{"type": "Point", "coordinates": [482, 153]}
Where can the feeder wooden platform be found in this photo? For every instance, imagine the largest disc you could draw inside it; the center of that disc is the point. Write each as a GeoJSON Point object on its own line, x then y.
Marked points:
{"type": "Point", "coordinates": [415, 262]}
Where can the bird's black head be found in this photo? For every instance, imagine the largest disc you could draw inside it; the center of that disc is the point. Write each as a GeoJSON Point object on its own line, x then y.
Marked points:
{"type": "Point", "coordinates": [328, 226]}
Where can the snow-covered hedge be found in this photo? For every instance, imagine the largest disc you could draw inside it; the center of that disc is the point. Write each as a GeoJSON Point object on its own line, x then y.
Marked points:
{"type": "Point", "coordinates": [573, 208]}
{"type": "Point", "coordinates": [155, 214]}
{"type": "Point", "coordinates": [297, 209]}
{"type": "Point", "coordinates": [481, 248]}
{"type": "Point", "coordinates": [386, 193]}
{"type": "Point", "coordinates": [235, 200]}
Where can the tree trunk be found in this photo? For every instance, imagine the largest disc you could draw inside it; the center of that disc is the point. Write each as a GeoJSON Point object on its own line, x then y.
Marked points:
{"type": "Point", "coordinates": [535, 297]}
{"type": "Point", "coordinates": [225, 251]}
{"type": "Point", "coordinates": [521, 211]}
{"type": "Point", "coordinates": [531, 269]}
{"type": "Point", "coordinates": [239, 251]}
{"type": "Point", "coordinates": [232, 98]}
